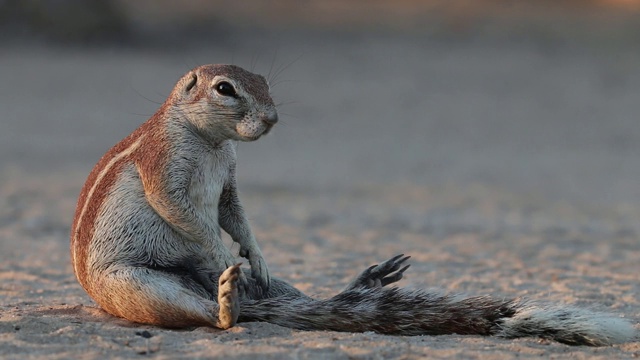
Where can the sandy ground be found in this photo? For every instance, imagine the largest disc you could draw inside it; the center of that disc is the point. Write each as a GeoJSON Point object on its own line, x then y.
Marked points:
{"type": "Point", "coordinates": [503, 166]}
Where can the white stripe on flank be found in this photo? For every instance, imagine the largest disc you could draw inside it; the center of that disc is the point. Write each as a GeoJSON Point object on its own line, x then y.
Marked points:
{"type": "Point", "coordinates": [101, 175]}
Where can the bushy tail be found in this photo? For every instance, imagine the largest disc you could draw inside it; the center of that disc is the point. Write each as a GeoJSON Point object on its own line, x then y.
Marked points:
{"type": "Point", "coordinates": [566, 324]}
{"type": "Point", "coordinates": [382, 310]}
{"type": "Point", "coordinates": [417, 312]}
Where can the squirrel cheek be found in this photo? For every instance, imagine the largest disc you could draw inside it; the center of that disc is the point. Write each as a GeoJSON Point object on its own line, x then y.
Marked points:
{"type": "Point", "coordinates": [245, 128]}
{"type": "Point", "coordinates": [250, 128]}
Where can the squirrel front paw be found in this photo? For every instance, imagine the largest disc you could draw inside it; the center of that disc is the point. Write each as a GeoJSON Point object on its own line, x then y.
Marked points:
{"type": "Point", "coordinates": [259, 270]}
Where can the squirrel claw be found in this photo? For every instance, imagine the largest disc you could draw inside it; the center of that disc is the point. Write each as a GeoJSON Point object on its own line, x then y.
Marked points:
{"type": "Point", "coordinates": [383, 274]}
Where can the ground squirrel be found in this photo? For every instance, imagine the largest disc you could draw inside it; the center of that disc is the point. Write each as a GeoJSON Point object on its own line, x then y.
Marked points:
{"type": "Point", "coordinates": [146, 240]}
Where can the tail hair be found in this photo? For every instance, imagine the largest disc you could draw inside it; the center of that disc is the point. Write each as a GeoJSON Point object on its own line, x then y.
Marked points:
{"type": "Point", "coordinates": [397, 311]}
{"type": "Point", "coordinates": [567, 324]}
{"type": "Point", "coordinates": [367, 305]}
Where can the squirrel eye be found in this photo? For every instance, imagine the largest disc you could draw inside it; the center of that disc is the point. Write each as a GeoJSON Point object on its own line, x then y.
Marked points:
{"type": "Point", "coordinates": [226, 89]}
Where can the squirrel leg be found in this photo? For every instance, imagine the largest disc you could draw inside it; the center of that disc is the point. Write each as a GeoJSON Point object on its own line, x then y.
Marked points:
{"type": "Point", "coordinates": [155, 297]}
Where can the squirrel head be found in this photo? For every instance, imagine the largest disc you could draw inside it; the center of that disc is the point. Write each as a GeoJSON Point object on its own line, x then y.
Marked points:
{"type": "Point", "coordinates": [225, 102]}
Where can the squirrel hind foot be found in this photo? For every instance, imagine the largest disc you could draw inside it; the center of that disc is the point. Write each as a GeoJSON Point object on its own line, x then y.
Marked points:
{"type": "Point", "coordinates": [380, 275]}
{"type": "Point", "coordinates": [228, 298]}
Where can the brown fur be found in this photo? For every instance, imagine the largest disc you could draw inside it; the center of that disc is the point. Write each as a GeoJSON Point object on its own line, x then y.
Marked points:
{"type": "Point", "coordinates": [82, 234]}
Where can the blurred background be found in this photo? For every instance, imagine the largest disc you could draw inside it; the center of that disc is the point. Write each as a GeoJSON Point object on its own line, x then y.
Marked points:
{"type": "Point", "coordinates": [533, 97]}
{"type": "Point", "coordinates": [497, 142]}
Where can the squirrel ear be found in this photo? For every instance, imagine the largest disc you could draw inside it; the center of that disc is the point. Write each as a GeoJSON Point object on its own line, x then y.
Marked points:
{"type": "Point", "coordinates": [192, 82]}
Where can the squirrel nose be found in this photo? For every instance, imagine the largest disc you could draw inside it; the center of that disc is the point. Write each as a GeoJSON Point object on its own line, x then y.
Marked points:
{"type": "Point", "coordinates": [270, 118]}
